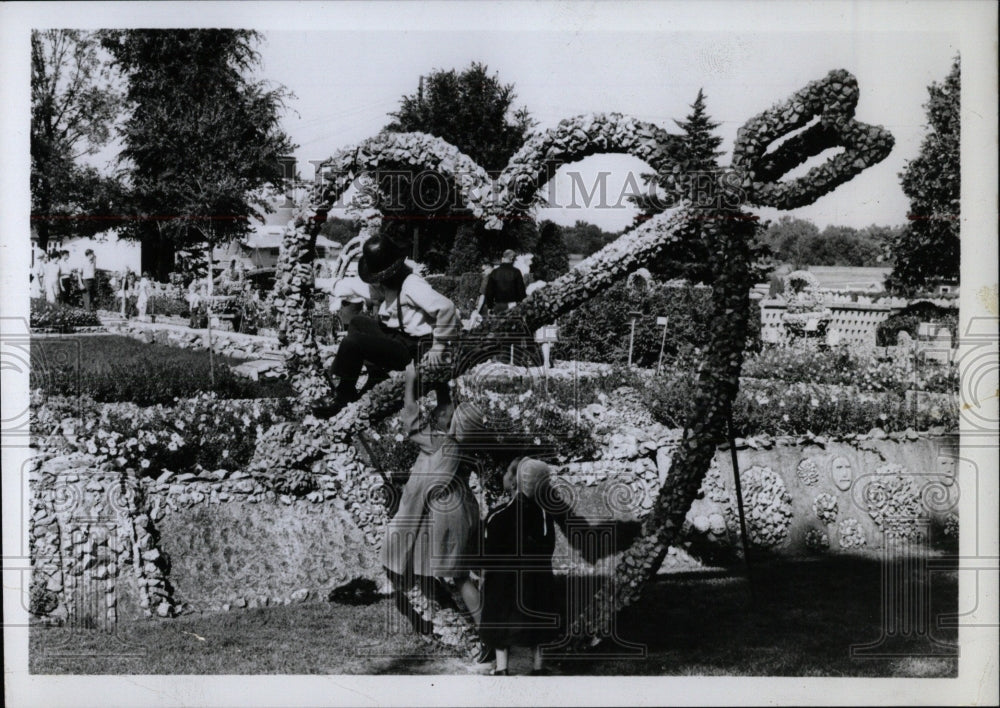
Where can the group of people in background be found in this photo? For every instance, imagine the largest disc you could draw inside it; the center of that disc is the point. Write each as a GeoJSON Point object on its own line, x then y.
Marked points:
{"type": "Point", "coordinates": [58, 281]}
{"type": "Point", "coordinates": [396, 321]}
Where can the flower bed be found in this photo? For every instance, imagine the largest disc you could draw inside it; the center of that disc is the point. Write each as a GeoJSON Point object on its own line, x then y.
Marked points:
{"type": "Point", "coordinates": [111, 368]}
{"type": "Point", "coordinates": [48, 316]}
{"type": "Point", "coordinates": [200, 433]}
{"type": "Point", "coordinates": [773, 407]}
{"type": "Point", "coordinates": [849, 367]}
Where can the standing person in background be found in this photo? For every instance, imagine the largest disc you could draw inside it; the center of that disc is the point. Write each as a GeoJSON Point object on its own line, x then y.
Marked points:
{"type": "Point", "coordinates": [37, 288]}
{"type": "Point", "coordinates": [776, 285]}
{"type": "Point", "coordinates": [505, 285]}
{"type": "Point", "coordinates": [89, 278]}
{"type": "Point", "coordinates": [142, 296]}
{"type": "Point", "coordinates": [66, 284]}
{"type": "Point", "coordinates": [125, 291]}
{"type": "Point", "coordinates": [53, 278]}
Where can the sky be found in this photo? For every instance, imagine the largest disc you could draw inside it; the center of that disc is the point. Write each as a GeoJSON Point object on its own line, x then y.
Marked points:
{"type": "Point", "coordinates": [654, 76]}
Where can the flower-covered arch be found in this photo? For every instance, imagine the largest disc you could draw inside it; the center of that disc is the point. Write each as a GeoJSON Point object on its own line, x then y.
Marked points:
{"type": "Point", "coordinates": [752, 179]}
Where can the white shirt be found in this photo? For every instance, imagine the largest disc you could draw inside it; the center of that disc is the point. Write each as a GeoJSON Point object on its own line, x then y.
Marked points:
{"type": "Point", "coordinates": [89, 268]}
{"type": "Point", "coordinates": [425, 311]}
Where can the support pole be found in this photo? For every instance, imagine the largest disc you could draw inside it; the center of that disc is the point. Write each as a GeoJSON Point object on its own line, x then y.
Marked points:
{"type": "Point", "coordinates": [631, 338]}
{"type": "Point", "coordinates": [211, 349]}
{"type": "Point", "coordinates": [663, 343]}
{"type": "Point", "coordinates": [739, 503]}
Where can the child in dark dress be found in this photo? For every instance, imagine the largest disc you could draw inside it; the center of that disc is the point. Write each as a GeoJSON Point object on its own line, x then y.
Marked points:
{"type": "Point", "coordinates": [518, 588]}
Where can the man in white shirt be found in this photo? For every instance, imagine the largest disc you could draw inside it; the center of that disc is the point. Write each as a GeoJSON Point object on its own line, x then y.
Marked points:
{"type": "Point", "coordinates": [411, 318]}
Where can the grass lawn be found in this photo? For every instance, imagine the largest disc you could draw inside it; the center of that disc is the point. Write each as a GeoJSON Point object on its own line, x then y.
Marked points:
{"type": "Point", "coordinates": [800, 620]}
{"type": "Point", "coordinates": [115, 368]}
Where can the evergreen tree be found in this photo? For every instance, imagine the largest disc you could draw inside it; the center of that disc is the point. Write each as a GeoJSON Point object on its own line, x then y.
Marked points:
{"type": "Point", "coordinates": [202, 139]}
{"type": "Point", "coordinates": [687, 259]}
{"type": "Point", "coordinates": [928, 247]}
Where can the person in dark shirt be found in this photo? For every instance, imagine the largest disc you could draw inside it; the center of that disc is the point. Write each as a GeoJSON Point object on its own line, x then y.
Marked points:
{"type": "Point", "coordinates": [505, 286]}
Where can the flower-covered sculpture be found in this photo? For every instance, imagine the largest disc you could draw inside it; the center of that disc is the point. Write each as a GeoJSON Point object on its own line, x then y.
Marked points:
{"type": "Point", "coordinates": [753, 179]}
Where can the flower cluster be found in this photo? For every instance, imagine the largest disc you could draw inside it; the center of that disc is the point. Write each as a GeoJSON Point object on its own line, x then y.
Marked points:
{"type": "Point", "coordinates": [808, 472]}
{"type": "Point", "coordinates": [850, 534]}
{"type": "Point", "coordinates": [526, 420]}
{"type": "Point", "coordinates": [825, 508]}
{"type": "Point", "coordinates": [768, 506]}
{"type": "Point", "coordinates": [893, 502]}
{"type": "Point", "coordinates": [816, 540]}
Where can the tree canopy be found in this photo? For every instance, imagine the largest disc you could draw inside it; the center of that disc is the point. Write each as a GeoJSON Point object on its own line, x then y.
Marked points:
{"type": "Point", "coordinates": [801, 243]}
{"type": "Point", "coordinates": [73, 107]}
{"type": "Point", "coordinates": [202, 137]}
{"type": "Point", "coordinates": [928, 247]}
{"type": "Point", "coordinates": [474, 111]}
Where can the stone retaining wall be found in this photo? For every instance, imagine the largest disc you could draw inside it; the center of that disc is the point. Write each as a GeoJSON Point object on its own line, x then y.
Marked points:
{"type": "Point", "coordinates": [107, 545]}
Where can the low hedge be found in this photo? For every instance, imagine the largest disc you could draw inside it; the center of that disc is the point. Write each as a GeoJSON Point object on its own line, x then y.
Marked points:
{"type": "Point", "coordinates": [463, 290]}
{"type": "Point", "coordinates": [203, 432]}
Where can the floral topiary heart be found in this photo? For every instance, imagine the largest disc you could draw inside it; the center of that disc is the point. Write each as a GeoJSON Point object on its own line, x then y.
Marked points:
{"type": "Point", "coordinates": [752, 179]}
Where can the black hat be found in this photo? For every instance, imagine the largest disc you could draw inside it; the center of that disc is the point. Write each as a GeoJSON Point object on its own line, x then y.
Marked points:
{"type": "Point", "coordinates": [380, 260]}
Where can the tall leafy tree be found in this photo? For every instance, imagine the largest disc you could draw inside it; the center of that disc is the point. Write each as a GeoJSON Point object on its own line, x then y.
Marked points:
{"type": "Point", "coordinates": [473, 110]}
{"type": "Point", "coordinates": [928, 247]}
{"type": "Point", "coordinates": [73, 107]}
{"type": "Point", "coordinates": [202, 138]}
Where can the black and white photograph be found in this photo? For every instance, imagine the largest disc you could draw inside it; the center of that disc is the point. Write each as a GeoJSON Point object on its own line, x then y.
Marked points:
{"type": "Point", "coordinates": [528, 353]}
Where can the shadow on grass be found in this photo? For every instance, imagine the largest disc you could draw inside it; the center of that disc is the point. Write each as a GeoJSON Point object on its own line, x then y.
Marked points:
{"type": "Point", "coordinates": [798, 618]}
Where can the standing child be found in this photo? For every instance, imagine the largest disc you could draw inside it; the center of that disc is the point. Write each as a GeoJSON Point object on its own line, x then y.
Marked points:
{"type": "Point", "coordinates": [519, 607]}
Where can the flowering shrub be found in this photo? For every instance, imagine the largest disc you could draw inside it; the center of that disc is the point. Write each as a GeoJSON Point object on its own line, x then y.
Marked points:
{"type": "Point", "coordinates": [601, 328]}
{"type": "Point", "coordinates": [893, 502]}
{"type": "Point", "coordinates": [850, 534]}
{"type": "Point", "coordinates": [49, 315]}
{"type": "Point", "coordinates": [391, 449]}
{"type": "Point", "coordinates": [825, 508]}
{"type": "Point", "coordinates": [816, 540]}
{"type": "Point", "coordinates": [779, 408]}
{"type": "Point", "coordinates": [525, 420]}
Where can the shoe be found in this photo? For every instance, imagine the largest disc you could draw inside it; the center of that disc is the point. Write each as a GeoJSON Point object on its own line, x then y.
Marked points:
{"type": "Point", "coordinates": [499, 672]}
{"type": "Point", "coordinates": [539, 672]}
{"type": "Point", "coordinates": [486, 654]}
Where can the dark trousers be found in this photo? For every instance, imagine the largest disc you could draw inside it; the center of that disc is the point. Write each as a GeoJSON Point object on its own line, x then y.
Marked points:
{"type": "Point", "coordinates": [368, 340]}
{"type": "Point", "coordinates": [90, 293]}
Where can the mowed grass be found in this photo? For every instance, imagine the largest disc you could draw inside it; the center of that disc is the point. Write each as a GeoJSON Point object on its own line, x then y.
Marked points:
{"type": "Point", "coordinates": [795, 619]}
